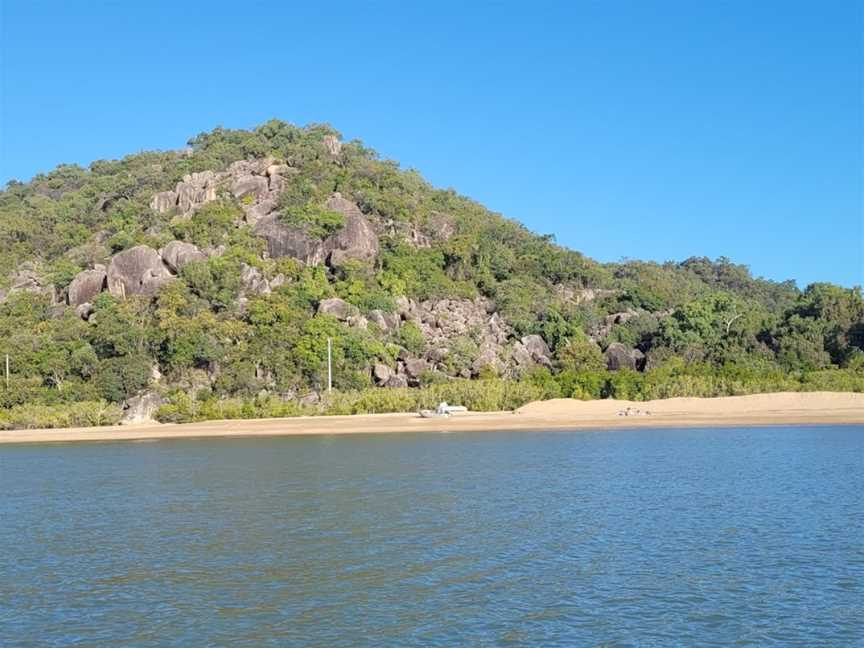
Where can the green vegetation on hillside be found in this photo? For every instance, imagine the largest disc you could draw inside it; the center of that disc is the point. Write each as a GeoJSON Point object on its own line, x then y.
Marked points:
{"type": "Point", "coordinates": [215, 347]}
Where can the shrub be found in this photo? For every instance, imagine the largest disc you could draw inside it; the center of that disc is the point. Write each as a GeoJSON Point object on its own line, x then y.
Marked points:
{"type": "Point", "coordinates": [315, 221]}
{"type": "Point", "coordinates": [411, 337]}
{"type": "Point", "coordinates": [80, 414]}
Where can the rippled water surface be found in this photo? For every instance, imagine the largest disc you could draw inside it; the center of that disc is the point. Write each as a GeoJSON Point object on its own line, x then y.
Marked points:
{"type": "Point", "coordinates": [629, 538]}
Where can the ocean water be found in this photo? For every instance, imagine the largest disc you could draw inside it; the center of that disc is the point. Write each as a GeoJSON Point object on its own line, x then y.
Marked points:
{"type": "Point", "coordinates": [699, 537]}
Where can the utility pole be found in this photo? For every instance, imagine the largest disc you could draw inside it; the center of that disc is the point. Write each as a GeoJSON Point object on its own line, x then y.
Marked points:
{"type": "Point", "coordinates": [7, 371]}
{"type": "Point", "coordinates": [329, 365]}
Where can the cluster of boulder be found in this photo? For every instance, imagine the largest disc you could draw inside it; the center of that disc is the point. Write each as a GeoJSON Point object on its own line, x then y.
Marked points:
{"type": "Point", "coordinates": [255, 183]}
{"type": "Point", "coordinates": [618, 355]}
{"type": "Point", "coordinates": [442, 323]}
{"type": "Point", "coordinates": [140, 270]}
{"type": "Point", "coordinates": [437, 226]}
{"type": "Point", "coordinates": [583, 295]}
{"type": "Point", "coordinates": [254, 282]}
{"type": "Point", "coordinates": [28, 280]}
{"type": "Point", "coordinates": [356, 240]}
{"type": "Point", "coordinates": [407, 373]}
{"type": "Point", "coordinates": [443, 319]}
{"type": "Point", "coordinates": [348, 313]}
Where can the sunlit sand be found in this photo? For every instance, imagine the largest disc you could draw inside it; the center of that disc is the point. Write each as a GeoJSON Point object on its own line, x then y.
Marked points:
{"type": "Point", "coordinates": [559, 414]}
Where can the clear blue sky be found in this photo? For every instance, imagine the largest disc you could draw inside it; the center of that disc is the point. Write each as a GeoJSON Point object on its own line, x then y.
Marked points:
{"type": "Point", "coordinates": [655, 130]}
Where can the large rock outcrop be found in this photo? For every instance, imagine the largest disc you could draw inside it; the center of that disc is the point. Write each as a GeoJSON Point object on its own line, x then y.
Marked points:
{"type": "Point", "coordinates": [195, 190]}
{"type": "Point", "coordinates": [444, 319]}
{"type": "Point", "coordinates": [583, 295]}
{"type": "Point", "coordinates": [386, 322]}
{"type": "Point", "coordinates": [444, 322]}
{"type": "Point", "coordinates": [531, 350]}
{"type": "Point", "coordinates": [255, 182]}
{"type": "Point", "coordinates": [258, 210]}
{"type": "Point", "coordinates": [286, 241]}
{"type": "Point", "coordinates": [488, 359]}
{"type": "Point", "coordinates": [356, 241]}
{"type": "Point", "coordinates": [86, 286]}
{"type": "Point", "coordinates": [254, 282]}
{"type": "Point", "coordinates": [164, 201]}
{"type": "Point", "coordinates": [437, 227]}
{"type": "Point", "coordinates": [414, 368]}
{"type": "Point", "coordinates": [381, 373]}
{"type": "Point", "coordinates": [141, 409]}
{"type": "Point", "coordinates": [619, 357]}
{"type": "Point", "coordinates": [27, 279]}
{"type": "Point", "coordinates": [397, 381]}
{"type": "Point", "coordinates": [84, 311]}
{"type": "Point", "coordinates": [137, 271]}
{"type": "Point", "coordinates": [333, 145]}
{"type": "Point", "coordinates": [179, 253]}
{"type": "Point", "coordinates": [338, 308]}
{"type": "Point", "coordinates": [255, 187]}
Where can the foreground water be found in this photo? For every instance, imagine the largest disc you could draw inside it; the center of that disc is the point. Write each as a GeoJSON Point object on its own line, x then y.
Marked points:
{"type": "Point", "coordinates": [652, 538]}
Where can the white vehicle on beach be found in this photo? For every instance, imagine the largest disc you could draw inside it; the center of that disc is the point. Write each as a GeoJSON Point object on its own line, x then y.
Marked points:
{"type": "Point", "coordinates": [443, 410]}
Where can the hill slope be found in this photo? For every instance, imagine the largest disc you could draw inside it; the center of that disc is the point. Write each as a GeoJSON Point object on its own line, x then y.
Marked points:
{"type": "Point", "coordinates": [213, 276]}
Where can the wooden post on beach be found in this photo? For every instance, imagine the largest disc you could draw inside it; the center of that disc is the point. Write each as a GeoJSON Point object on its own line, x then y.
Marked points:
{"type": "Point", "coordinates": [329, 365]}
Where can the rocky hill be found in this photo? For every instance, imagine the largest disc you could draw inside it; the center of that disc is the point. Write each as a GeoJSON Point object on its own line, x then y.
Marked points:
{"type": "Point", "coordinates": [219, 271]}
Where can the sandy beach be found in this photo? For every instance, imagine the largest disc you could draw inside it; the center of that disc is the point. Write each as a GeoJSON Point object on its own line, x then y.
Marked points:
{"type": "Point", "coordinates": [559, 414]}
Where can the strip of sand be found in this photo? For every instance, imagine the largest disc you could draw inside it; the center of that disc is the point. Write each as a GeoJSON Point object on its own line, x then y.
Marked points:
{"type": "Point", "coordinates": [790, 408]}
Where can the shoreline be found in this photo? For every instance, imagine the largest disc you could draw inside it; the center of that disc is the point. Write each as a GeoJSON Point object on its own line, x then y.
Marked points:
{"type": "Point", "coordinates": [787, 408]}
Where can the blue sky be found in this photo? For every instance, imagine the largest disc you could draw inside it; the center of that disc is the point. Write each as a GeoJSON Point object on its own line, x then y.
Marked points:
{"type": "Point", "coordinates": [656, 130]}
